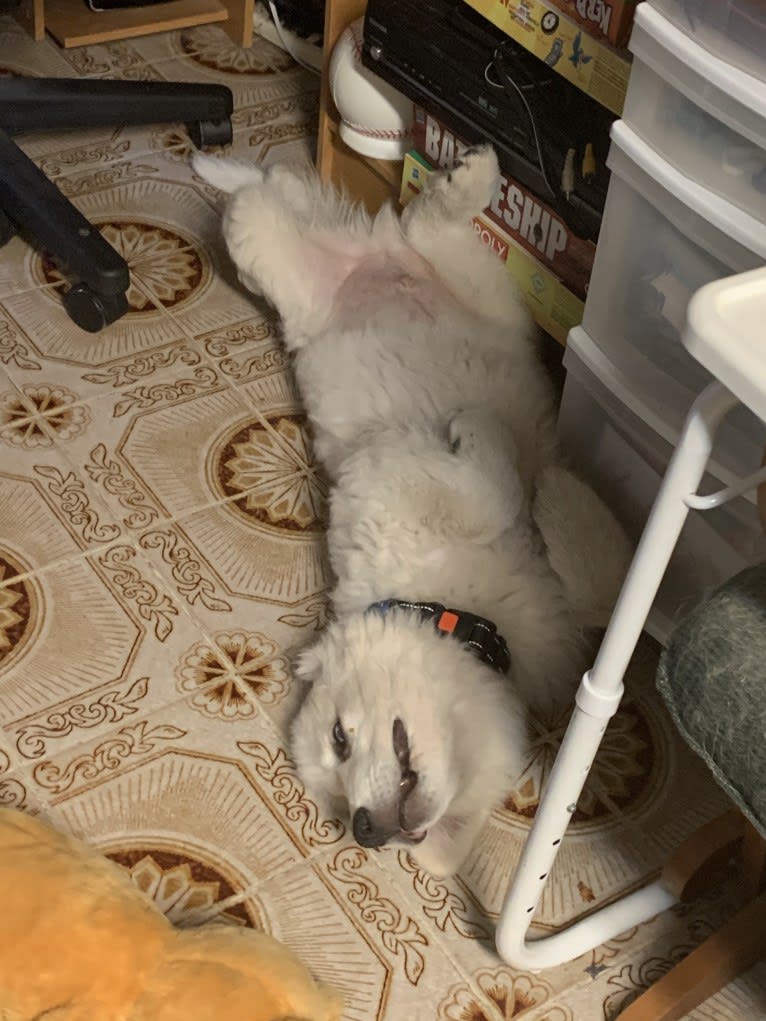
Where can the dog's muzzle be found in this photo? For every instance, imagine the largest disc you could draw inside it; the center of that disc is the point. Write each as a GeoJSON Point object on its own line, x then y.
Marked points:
{"type": "Point", "coordinates": [372, 831]}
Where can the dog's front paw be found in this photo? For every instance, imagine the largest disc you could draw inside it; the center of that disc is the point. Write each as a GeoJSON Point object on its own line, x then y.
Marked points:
{"type": "Point", "coordinates": [487, 461]}
{"type": "Point", "coordinates": [477, 432]}
{"type": "Point", "coordinates": [470, 184]}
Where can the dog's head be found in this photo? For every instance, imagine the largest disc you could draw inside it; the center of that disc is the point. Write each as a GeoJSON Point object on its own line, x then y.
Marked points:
{"type": "Point", "coordinates": [407, 731]}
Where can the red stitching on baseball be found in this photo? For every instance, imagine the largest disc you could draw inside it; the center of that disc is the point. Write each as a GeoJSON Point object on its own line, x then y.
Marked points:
{"type": "Point", "coordinates": [391, 134]}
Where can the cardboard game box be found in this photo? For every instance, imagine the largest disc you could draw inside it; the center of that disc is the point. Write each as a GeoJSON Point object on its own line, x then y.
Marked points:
{"type": "Point", "coordinates": [564, 43]}
{"type": "Point", "coordinates": [554, 307]}
{"type": "Point", "coordinates": [605, 19]}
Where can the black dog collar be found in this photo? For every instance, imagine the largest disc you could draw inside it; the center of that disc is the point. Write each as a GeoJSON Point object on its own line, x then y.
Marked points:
{"type": "Point", "coordinates": [478, 633]}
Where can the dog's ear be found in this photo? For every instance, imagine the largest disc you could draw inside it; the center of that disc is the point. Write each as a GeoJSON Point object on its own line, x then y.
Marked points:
{"type": "Point", "coordinates": [307, 665]}
{"type": "Point", "coordinates": [227, 175]}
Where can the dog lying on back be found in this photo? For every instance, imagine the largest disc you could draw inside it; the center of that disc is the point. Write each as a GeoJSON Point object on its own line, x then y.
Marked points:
{"type": "Point", "coordinates": [468, 560]}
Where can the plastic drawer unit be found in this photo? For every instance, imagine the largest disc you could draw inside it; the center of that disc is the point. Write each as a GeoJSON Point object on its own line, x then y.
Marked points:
{"type": "Point", "coordinates": [613, 443]}
{"type": "Point", "coordinates": [663, 237]}
{"type": "Point", "coordinates": [701, 114]}
{"type": "Point", "coordinates": [734, 30]}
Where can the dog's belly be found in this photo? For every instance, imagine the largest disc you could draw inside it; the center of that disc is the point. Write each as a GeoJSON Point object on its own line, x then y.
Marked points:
{"type": "Point", "coordinates": [400, 348]}
{"type": "Point", "coordinates": [404, 280]}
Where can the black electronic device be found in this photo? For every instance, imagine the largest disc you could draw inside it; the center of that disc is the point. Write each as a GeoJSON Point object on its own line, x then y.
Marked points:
{"type": "Point", "coordinates": [549, 136]}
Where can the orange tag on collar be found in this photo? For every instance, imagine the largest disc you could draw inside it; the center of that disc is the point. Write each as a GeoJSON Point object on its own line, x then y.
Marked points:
{"type": "Point", "coordinates": [448, 622]}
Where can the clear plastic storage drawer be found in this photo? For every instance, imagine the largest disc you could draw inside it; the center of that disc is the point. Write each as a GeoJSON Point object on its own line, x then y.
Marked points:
{"type": "Point", "coordinates": [732, 29]}
{"type": "Point", "coordinates": [611, 438]}
{"type": "Point", "coordinates": [707, 118]}
{"type": "Point", "coordinates": [662, 237]}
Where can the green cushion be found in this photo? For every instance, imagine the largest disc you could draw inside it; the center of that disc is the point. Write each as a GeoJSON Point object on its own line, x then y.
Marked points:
{"type": "Point", "coordinates": [712, 676]}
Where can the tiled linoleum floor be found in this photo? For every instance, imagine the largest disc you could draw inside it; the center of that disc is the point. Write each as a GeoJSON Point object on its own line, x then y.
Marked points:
{"type": "Point", "coordinates": [161, 555]}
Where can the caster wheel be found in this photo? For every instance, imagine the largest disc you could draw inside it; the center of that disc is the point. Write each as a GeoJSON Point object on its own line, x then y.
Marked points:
{"type": "Point", "coordinates": [7, 229]}
{"type": "Point", "coordinates": [204, 133]}
{"type": "Point", "coordinates": [92, 311]}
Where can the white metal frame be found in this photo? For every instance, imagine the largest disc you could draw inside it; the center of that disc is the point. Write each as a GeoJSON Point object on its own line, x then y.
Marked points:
{"type": "Point", "coordinates": [597, 700]}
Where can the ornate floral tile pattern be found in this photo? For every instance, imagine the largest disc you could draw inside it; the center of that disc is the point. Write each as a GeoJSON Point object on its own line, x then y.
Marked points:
{"type": "Point", "coordinates": [161, 559]}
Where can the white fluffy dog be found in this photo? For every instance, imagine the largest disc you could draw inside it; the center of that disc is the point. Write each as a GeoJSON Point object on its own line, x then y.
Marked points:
{"type": "Point", "coordinates": [436, 424]}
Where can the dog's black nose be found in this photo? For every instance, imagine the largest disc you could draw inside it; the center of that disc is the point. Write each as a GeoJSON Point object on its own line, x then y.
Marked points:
{"type": "Point", "coordinates": [366, 833]}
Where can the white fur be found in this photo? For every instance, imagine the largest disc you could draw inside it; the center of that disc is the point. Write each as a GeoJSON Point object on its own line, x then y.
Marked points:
{"type": "Point", "coordinates": [435, 421]}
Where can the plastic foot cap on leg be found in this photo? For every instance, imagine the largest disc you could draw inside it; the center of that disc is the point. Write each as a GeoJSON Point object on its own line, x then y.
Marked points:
{"type": "Point", "coordinates": [206, 133]}
{"type": "Point", "coordinates": [92, 311]}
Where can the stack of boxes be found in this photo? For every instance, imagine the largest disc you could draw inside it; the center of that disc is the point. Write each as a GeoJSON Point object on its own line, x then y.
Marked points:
{"type": "Point", "coordinates": [686, 205]}
{"type": "Point", "coordinates": [579, 38]}
{"type": "Point", "coordinates": [546, 248]}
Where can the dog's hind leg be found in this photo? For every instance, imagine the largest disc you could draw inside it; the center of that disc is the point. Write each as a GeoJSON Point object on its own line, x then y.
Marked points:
{"type": "Point", "coordinates": [437, 224]}
{"type": "Point", "coordinates": [318, 205]}
{"type": "Point", "coordinates": [292, 240]}
{"type": "Point", "coordinates": [486, 473]}
{"type": "Point", "coordinates": [299, 190]}
{"type": "Point", "coordinates": [296, 268]}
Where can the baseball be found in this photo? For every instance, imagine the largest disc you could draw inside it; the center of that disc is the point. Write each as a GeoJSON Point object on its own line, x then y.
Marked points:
{"type": "Point", "coordinates": [376, 120]}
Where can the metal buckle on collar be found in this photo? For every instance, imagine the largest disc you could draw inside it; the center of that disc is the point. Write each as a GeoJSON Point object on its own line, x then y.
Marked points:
{"type": "Point", "coordinates": [477, 633]}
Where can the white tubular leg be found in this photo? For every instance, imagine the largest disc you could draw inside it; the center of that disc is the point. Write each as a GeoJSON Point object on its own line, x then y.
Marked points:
{"type": "Point", "coordinates": [597, 700]}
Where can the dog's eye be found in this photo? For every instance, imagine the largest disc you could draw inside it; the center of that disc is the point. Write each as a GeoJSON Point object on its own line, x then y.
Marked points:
{"type": "Point", "coordinates": [340, 741]}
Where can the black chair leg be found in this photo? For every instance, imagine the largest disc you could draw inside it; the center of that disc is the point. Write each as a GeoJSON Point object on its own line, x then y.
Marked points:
{"type": "Point", "coordinates": [32, 204]}
{"type": "Point", "coordinates": [7, 229]}
{"type": "Point", "coordinates": [45, 104]}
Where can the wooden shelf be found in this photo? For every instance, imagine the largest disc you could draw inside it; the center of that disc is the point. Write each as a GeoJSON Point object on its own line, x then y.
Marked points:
{"type": "Point", "coordinates": [73, 23]}
{"type": "Point", "coordinates": [371, 181]}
